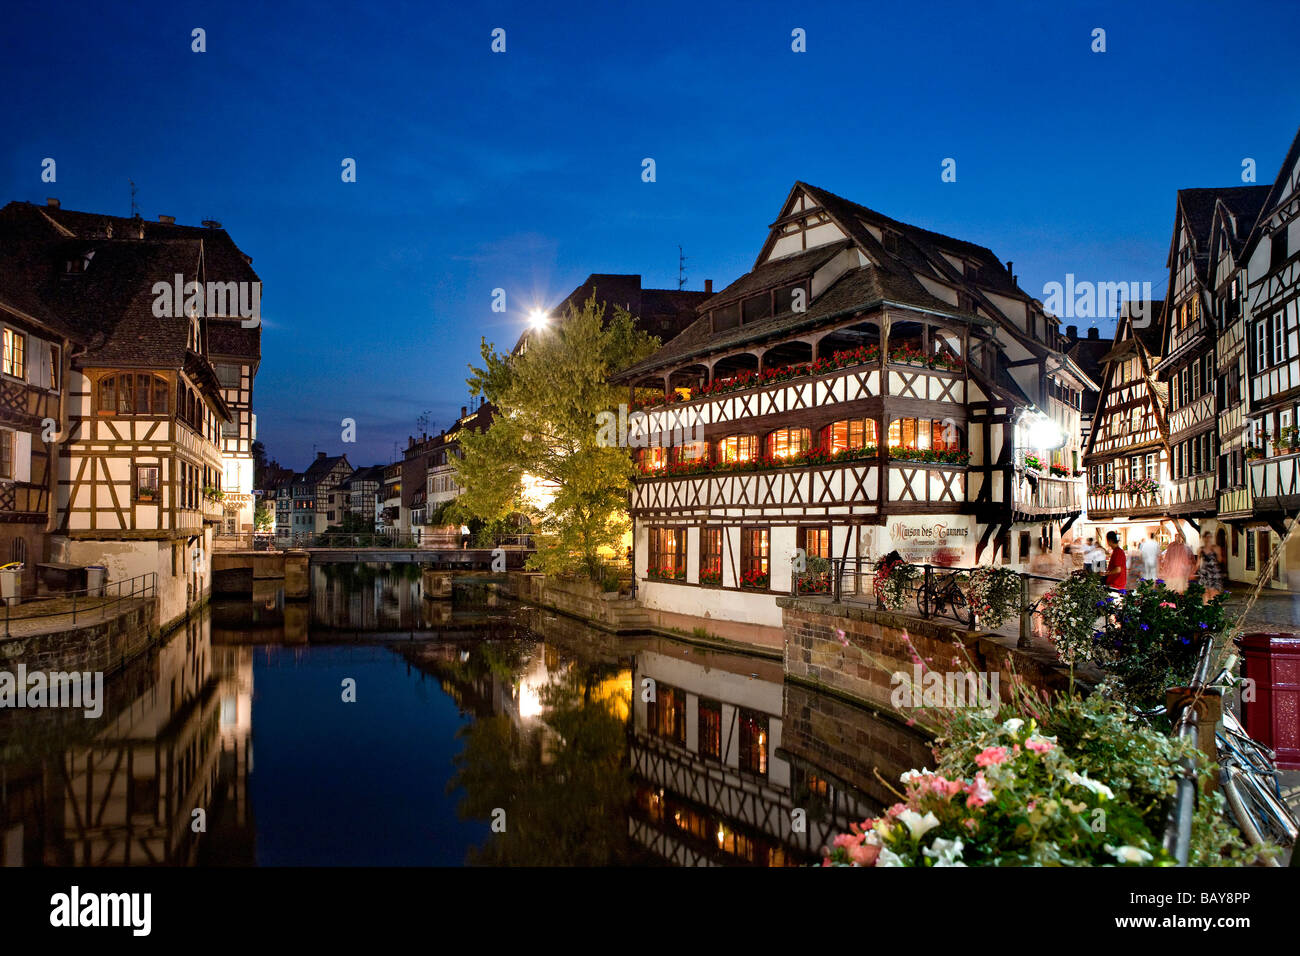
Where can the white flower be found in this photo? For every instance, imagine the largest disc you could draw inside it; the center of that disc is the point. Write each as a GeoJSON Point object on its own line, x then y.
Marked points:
{"type": "Point", "coordinates": [889, 858]}
{"type": "Point", "coordinates": [917, 824]}
{"type": "Point", "coordinates": [1129, 854]}
{"type": "Point", "coordinates": [910, 775]}
{"type": "Point", "coordinates": [1013, 725]}
{"type": "Point", "coordinates": [945, 852]}
{"type": "Point", "coordinates": [1093, 785]}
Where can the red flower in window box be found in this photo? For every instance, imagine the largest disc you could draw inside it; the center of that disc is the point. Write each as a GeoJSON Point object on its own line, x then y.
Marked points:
{"type": "Point", "coordinates": [758, 580]}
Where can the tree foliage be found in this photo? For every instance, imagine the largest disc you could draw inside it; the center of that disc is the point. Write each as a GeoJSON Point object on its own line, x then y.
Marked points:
{"type": "Point", "coordinates": [546, 430]}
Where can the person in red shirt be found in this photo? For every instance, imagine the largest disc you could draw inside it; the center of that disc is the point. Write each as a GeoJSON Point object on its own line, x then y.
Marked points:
{"type": "Point", "coordinates": [1117, 568]}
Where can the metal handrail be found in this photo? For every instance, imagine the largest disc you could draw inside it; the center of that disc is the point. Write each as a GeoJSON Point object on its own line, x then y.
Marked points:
{"type": "Point", "coordinates": [425, 542]}
{"type": "Point", "coordinates": [142, 585]}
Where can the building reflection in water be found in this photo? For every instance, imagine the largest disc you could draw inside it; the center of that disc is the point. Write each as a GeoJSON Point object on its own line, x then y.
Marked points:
{"type": "Point", "coordinates": [724, 764]}
{"type": "Point", "coordinates": [122, 790]}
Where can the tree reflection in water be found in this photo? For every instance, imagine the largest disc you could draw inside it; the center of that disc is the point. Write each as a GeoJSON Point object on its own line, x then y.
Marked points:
{"type": "Point", "coordinates": [562, 778]}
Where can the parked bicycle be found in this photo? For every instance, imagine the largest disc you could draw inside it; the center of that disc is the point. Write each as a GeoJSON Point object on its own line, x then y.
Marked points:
{"type": "Point", "coordinates": [942, 594]}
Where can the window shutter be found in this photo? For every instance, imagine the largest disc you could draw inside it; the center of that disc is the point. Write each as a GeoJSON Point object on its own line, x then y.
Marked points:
{"type": "Point", "coordinates": [22, 456]}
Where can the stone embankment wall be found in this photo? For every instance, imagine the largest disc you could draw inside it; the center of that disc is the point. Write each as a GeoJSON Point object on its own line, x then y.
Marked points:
{"type": "Point", "coordinates": [877, 647]}
{"type": "Point", "coordinates": [579, 598]}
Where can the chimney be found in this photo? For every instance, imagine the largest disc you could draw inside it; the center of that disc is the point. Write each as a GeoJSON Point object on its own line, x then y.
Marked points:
{"type": "Point", "coordinates": [52, 203]}
{"type": "Point", "coordinates": [1072, 332]}
{"type": "Point", "coordinates": [320, 456]}
{"type": "Point", "coordinates": [211, 224]}
{"type": "Point", "coordinates": [169, 220]}
{"type": "Point", "coordinates": [708, 286]}
{"type": "Point", "coordinates": [1093, 333]}
{"type": "Point", "coordinates": [463, 411]}
{"type": "Point", "coordinates": [1009, 265]}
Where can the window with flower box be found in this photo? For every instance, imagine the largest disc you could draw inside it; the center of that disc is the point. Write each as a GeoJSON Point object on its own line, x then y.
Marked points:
{"type": "Point", "coordinates": [816, 542]}
{"type": "Point", "coordinates": [147, 484]}
{"type": "Point", "coordinates": [710, 555]}
{"type": "Point", "coordinates": [754, 552]}
{"type": "Point", "coordinates": [787, 442]}
{"type": "Point", "coordinates": [667, 554]}
{"type": "Point", "coordinates": [652, 460]}
{"type": "Point", "coordinates": [849, 434]}
{"type": "Point", "coordinates": [737, 448]}
{"type": "Point", "coordinates": [690, 453]}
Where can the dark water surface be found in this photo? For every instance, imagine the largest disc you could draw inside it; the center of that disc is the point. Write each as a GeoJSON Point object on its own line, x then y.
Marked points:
{"type": "Point", "coordinates": [480, 732]}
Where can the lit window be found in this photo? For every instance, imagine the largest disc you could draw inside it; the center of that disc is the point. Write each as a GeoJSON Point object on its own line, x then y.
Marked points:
{"type": "Point", "coordinates": [15, 360]}
{"type": "Point", "coordinates": [735, 448]}
{"type": "Point", "coordinates": [853, 433]}
{"type": "Point", "coordinates": [787, 442]}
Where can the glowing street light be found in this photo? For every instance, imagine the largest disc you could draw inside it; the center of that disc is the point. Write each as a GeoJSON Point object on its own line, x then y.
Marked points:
{"type": "Point", "coordinates": [538, 318]}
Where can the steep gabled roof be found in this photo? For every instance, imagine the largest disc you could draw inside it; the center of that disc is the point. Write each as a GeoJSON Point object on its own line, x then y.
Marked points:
{"type": "Point", "coordinates": [1275, 192]}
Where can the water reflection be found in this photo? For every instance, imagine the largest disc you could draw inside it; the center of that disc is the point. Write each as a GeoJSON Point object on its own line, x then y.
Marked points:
{"type": "Point", "coordinates": [483, 732]}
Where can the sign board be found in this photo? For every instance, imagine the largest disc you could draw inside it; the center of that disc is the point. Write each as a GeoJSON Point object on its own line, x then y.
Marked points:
{"type": "Point", "coordinates": [945, 540]}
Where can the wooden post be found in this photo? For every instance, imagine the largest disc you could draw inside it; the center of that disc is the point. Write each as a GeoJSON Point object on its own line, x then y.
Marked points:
{"type": "Point", "coordinates": [1207, 707]}
{"type": "Point", "coordinates": [1026, 615]}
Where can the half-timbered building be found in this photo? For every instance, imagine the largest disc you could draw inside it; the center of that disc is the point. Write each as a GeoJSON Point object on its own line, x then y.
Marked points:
{"type": "Point", "coordinates": [140, 469]}
{"type": "Point", "coordinates": [867, 386]}
{"type": "Point", "coordinates": [1235, 214]}
{"type": "Point", "coordinates": [1188, 365]}
{"type": "Point", "coordinates": [1272, 333]}
{"type": "Point", "coordinates": [1127, 451]}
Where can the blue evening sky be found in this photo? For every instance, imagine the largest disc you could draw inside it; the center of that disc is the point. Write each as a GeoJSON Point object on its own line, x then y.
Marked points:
{"type": "Point", "coordinates": [522, 170]}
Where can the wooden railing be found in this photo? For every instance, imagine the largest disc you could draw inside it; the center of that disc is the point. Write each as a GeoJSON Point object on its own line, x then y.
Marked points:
{"type": "Point", "coordinates": [1275, 482]}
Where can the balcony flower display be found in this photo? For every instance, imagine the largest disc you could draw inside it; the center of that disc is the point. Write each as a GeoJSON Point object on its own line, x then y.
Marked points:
{"type": "Point", "coordinates": [666, 573]}
{"type": "Point", "coordinates": [1288, 439]}
{"type": "Point", "coordinates": [908, 355]}
{"type": "Point", "coordinates": [1141, 488]}
{"type": "Point", "coordinates": [862, 355]}
{"type": "Point", "coordinates": [931, 455]}
{"type": "Point", "coordinates": [993, 594]}
{"type": "Point", "coordinates": [1032, 461]}
{"type": "Point", "coordinates": [1253, 453]}
{"type": "Point", "coordinates": [1059, 471]}
{"type": "Point", "coordinates": [813, 456]}
{"type": "Point", "coordinates": [758, 580]}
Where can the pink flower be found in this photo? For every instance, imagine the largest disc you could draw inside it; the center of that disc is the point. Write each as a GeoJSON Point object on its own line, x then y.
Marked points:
{"type": "Point", "coordinates": [1040, 745]}
{"type": "Point", "coordinates": [895, 810]}
{"type": "Point", "coordinates": [978, 792]}
{"type": "Point", "coordinates": [848, 840]}
{"type": "Point", "coordinates": [1168, 604]}
{"type": "Point", "coordinates": [865, 855]}
{"type": "Point", "coordinates": [991, 755]}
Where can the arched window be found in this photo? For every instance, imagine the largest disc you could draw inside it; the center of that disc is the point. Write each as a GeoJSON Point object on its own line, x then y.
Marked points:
{"type": "Point", "coordinates": [849, 434]}
{"type": "Point", "coordinates": [737, 448]}
{"type": "Point", "coordinates": [133, 393]}
{"type": "Point", "coordinates": [788, 442]}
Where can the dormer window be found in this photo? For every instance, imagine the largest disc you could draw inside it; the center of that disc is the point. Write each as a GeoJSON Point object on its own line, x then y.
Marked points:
{"type": "Point", "coordinates": [890, 241]}
{"type": "Point", "coordinates": [77, 266]}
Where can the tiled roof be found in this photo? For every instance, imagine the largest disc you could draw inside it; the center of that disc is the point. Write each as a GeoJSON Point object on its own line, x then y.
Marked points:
{"type": "Point", "coordinates": [893, 275]}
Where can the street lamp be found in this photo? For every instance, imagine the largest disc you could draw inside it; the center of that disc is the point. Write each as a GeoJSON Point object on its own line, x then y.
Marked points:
{"type": "Point", "coordinates": [538, 318]}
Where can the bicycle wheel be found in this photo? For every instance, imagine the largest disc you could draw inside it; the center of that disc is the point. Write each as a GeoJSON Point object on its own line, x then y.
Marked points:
{"type": "Point", "coordinates": [1276, 824]}
{"type": "Point", "coordinates": [1258, 817]}
{"type": "Point", "coordinates": [920, 601]}
{"type": "Point", "coordinates": [960, 608]}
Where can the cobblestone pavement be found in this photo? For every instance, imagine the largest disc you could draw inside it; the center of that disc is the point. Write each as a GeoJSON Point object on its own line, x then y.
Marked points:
{"type": "Point", "coordinates": [1273, 610]}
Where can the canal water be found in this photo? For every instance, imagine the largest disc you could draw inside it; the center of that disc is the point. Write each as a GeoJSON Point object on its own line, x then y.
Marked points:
{"type": "Point", "coordinates": [371, 726]}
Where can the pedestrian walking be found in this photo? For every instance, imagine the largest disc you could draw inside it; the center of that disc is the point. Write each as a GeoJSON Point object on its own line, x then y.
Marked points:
{"type": "Point", "coordinates": [1117, 565]}
{"type": "Point", "coordinates": [1209, 570]}
{"type": "Point", "coordinates": [1150, 551]}
{"type": "Point", "coordinates": [1176, 568]}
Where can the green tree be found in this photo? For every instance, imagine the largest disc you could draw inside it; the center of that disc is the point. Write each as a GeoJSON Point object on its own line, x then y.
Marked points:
{"type": "Point", "coordinates": [548, 398]}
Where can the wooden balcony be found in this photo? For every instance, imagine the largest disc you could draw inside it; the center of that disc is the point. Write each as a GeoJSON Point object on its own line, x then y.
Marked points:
{"type": "Point", "coordinates": [803, 490]}
{"type": "Point", "coordinates": [1236, 503]}
{"type": "Point", "coordinates": [1042, 496]}
{"type": "Point", "coordinates": [1275, 485]}
{"type": "Point", "coordinates": [806, 394]}
{"type": "Point", "coordinates": [1197, 494]}
{"type": "Point", "coordinates": [1112, 504]}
